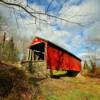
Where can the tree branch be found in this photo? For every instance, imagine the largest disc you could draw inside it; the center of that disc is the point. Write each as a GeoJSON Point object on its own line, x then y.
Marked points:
{"type": "Point", "coordinates": [20, 6]}
{"type": "Point", "coordinates": [40, 13]}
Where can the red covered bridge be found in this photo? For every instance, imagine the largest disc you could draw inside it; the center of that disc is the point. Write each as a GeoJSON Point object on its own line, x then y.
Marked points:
{"type": "Point", "coordinates": [55, 57]}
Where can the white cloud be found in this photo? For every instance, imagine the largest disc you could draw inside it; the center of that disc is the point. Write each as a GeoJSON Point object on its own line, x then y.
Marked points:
{"type": "Point", "coordinates": [94, 32]}
{"type": "Point", "coordinates": [57, 37]}
{"type": "Point", "coordinates": [89, 10]}
{"type": "Point", "coordinates": [76, 41]}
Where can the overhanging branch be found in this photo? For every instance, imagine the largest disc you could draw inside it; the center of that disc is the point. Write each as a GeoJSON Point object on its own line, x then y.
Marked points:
{"type": "Point", "coordinates": [20, 6]}
{"type": "Point", "coordinates": [35, 12]}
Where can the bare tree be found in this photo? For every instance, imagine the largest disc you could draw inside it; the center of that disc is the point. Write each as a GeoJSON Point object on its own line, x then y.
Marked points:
{"type": "Point", "coordinates": [95, 43]}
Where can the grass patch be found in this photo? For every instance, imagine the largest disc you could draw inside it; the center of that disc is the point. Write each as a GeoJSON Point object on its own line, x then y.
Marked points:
{"type": "Point", "coordinates": [73, 94]}
{"type": "Point", "coordinates": [70, 89]}
{"type": "Point", "coordinates": [59, 72]}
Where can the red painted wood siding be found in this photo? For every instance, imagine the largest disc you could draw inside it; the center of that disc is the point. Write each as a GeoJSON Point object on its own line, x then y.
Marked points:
{"type": "Point", "coordinates": [59, 60]}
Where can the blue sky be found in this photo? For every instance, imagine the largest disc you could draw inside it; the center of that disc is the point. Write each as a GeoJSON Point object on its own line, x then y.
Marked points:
{"type": "Point", "coordinates": [76, 33]}
{"type": "Point", "coordinates": [54, 5]}
{"type": "Point", "coordinates": [68, 35]}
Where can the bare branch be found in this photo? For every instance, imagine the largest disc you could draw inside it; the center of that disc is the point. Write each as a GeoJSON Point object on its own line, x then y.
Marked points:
{"type": "Point", "coordinates": [61, 6]}
{"type": "Point", "coordinates": [20, 6]}
{"type": "Point", "coordinates": [49, 6]}
{"type": "Point", "coordinates": [13, 4]}
{"type": "Point", "coordinates": [60, 18]}
{"type": "Point", "coordinates": [78, 16]}
{"type": "Point", "coordinates": [39, 13]}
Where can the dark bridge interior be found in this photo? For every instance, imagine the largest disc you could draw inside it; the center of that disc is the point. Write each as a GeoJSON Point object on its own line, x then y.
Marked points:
{"type": "Point", "coordinates": [39, 50]}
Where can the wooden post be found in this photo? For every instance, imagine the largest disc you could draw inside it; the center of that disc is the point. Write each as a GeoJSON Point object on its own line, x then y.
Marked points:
{"type": "Point", "coordinates": [30, 60]}
{"type": "Point", "coordinates": [29, 54]}
{"type": "Point", "coordinates": [45, 59]}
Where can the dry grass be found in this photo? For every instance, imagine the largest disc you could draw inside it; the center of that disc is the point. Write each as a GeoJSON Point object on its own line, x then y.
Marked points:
{"type": "Point", "coordinates": [68, 88]}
